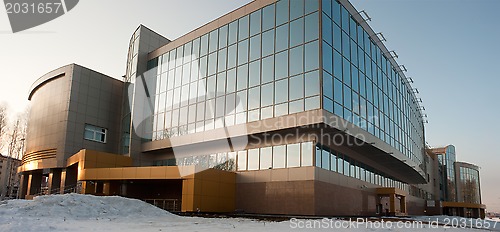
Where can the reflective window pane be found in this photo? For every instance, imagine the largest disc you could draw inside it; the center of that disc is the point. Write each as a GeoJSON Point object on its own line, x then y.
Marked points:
{"type": "Point", "coordinates": [255, 23]}
{"type": "Point", "coordinates": [268, 69]}
{"type": "Point", "coordinates": [279, 154]}
{"type": "Point", "coordinates": [312, 83]}
{"type": "Point", "coordinates": [296, 32]}
{"type": "Point", "coordinates": [282, 12]}
{"type": "Point", "coordinates": [282, 38]}
{"type": "Point", "coordinates": [293, 155]}
{"type": "Point", "coordinates": [268, 43]}
{"type": "Point", "coordinates": [307, 154]}
{"type": "Point", "coordinates": [281, 66]}
{"type": "Point", "coordinates": [296, 60]}
{"type": "Point", "coordinates": [266, 158]}
{"type": "Point", "coordinates": [267, 95]}
{"type": "Point", "coordinates": [243, 28]}
{"type": "Point", "coordinates": [268, 17]}
{"type": "Point", "coordinates": [281, 91]}
{"type": "Point", "coordinates": [296, 90]}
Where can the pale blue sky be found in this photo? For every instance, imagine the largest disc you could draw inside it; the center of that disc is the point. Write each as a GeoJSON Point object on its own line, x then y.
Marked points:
{"type": "Point", "coordinates": [449, 47]}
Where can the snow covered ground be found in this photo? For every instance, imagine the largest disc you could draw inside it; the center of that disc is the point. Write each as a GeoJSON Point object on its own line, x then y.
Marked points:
{"type": "Point", "coordinates": [74, 212]}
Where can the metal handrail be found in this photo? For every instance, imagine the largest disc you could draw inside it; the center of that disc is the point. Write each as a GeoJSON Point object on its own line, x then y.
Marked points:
{"type": "Point", "coordinates": [172, 205]}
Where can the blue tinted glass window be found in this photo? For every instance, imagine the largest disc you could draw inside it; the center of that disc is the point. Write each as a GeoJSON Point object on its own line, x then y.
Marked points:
{"type": "Point", "coordinates": [242, 52]}
{"type": "Point", "coordinates": [353, 31]}
{"type": "Point", "coordinates": [296, 60]}
{"type": "Point", "coordinates": [222, 60]}
{"type": "Point", "coordinates": [214, 40]}
{"type": "Point", "coordinates": [325, 160]}
{"type": "Point", "coordinates": [296, 9]}
{"type": "Point", "coordinates": [317, 157]}
{"type": "Point", "coordinates": [360, 35]}
{"type": "Point", "coordinates": [312, 103]}
{"type": "Point", "coordinates": [312, 83]}
{"type": "Point", "coordinates": [338, 109]}
{"type": "Point", "coordinates": [311, 27]}
{"type": "Point", "coordinates": [231, 56]}
{"type": "Point", "coordinates": [268, 17]}
{"type": "Point", "coordinates": [354, 53]}
{"type": "Point", "coordinates": [355, 79]}
{"type": "Point", "coordinates": [282, 38]}
{"type": "Point", "coordinates": [243, 28]}
{"type": "Point", "coordinates": [296, 87]}
{"type": "Point", "coordinates": [362, 85]}
{"type": "Point", "coordinates": [327, 58]}
{"type": "Point", "coordinates": [254, 98]}
{"type": "Point", "coordinates": [337, 66]}
{"type": "Point", "coordinates": [337, 38]}
{"type": "Point", "coordinates": [255, 47]}
{"type": "Point", "coordinates": [345, 19]}
{"type": "Point", "coordinates": [296, 32]}
{"type": "Point", "coordinates": [223, 36]}
{"type": "Point", "coordinates": [204, 45]}
{"type": "Point", "coordinates": [296, 106]}
{"type": "Point", "coordinates": [281, 66]}
{"type": "Point", "coordinates": [281, 91]}
{"type": "Point", "coordinates": [231, 80]}
{"type": "Point", "coordinates": [254, 73]}
{"type": "Point", "coordinates": [281, 12]}
{"type": "Point", "coordinates": [327, 30]}
{"type": "Point", "coordinates": [336, 12]}
{"type": "Point", "coordinates": [233, 32]}
{"type": "Point", "coordinates": [337, 90]}
{"type": "Point", "coordinates": [361, 59]}
{"type": "Point", "coordinates": [242, 77]}
{"type": "Point", "coordinates": [369, 90]}
{"type": "Point", "coordinates": [327, 7]}
{"type": "Point", "coordinates": [311, 6]}
{"type": "Point", "coordinates": [268, 43]}
{"type": "Point", "coordinates": [311, 56]}
{"type": "Point", "coordinates": [346, 46]}
{"type": "Point", "coordinates": [267, 69]}
{"type": "Point", "coordinates": [328, 105]}
{"type": "Point", "coordinates": [333, 162]}
{"type": "Point", "coordinates": [355, 103]}
{"type": "Point", "coordinates": [255, 23]}
{"type": "Point", "coordinates": [328, 85]}
{"type": "Point", "coordinates": [267, 95]}
{"type": "Point", "coordinates": [212, 63]}
{"type": "Point", "coordinates": [347, 73]}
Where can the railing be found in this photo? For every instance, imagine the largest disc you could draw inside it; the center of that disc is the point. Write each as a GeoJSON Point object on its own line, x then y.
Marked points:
{"type": "Point", "coordinates": [172, 205]}
{"type": "Point", "coordinates": [67, 189]}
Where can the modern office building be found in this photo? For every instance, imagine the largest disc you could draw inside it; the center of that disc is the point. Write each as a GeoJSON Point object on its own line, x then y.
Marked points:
{"type": "Point", "coordinates": [459, 185]}
{"type": "Point", "coordinates": [278, 107]}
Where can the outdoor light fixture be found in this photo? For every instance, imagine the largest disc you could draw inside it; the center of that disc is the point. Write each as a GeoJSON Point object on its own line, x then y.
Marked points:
{"type": "Point", "coordinates": [379, 36]}
{"type": "Point", "coordinates": [366, 18]}
{"type": "Point", "coordinates": [392, 53]}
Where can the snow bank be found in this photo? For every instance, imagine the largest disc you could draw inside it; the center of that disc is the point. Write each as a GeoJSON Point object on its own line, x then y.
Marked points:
{"type": "Point", "coordinates": [74, 212]}
{"type": "Point", "coordinates": [77, 206]}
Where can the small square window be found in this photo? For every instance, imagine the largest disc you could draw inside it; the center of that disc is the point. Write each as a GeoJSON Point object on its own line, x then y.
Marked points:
{"type": "Point", "coordinates": [94, 133]}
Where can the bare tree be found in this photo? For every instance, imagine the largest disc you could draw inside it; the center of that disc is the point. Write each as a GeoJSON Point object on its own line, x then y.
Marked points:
{"type": "Point", "coordinates": [17, 135]}
{"type": "Point", "coordinates": [3, 125]}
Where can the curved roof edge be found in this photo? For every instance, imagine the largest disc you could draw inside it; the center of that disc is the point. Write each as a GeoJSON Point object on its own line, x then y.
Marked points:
{"type": "Point", "coordinates": [48, 77]}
